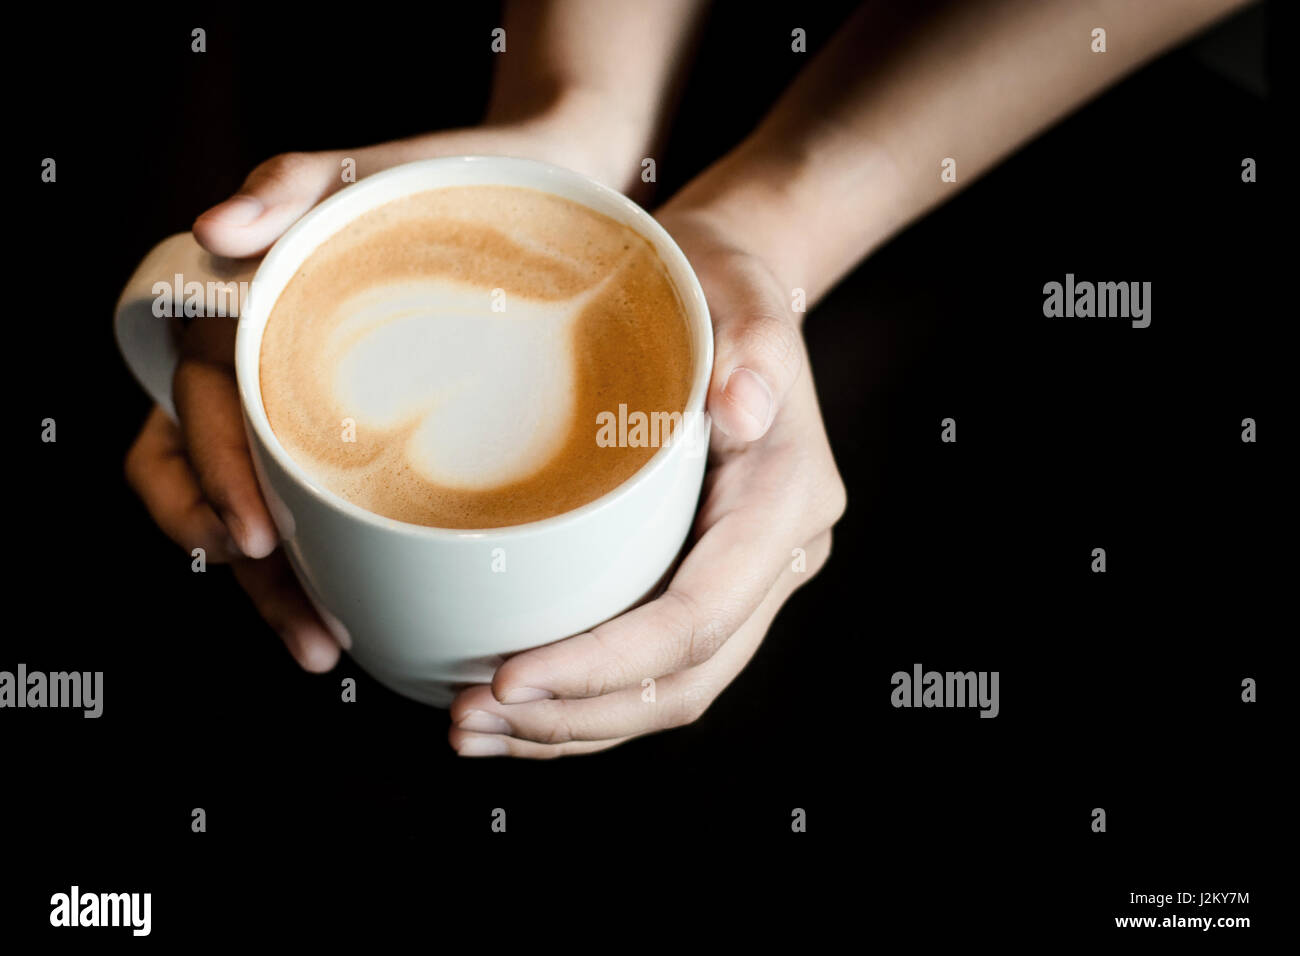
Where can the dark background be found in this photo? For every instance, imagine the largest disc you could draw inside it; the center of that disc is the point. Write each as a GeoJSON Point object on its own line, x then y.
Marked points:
{"type": "Point", "coordinates": [1119, 690]}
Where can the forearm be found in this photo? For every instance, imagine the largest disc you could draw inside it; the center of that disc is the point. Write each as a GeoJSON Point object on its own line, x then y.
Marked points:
{"type": "Point", "coordinates": [852, 152]}
{"type": "Point", "coordinates": [584, 84]}
{"type": "Point", "coordinates": [604, 69]}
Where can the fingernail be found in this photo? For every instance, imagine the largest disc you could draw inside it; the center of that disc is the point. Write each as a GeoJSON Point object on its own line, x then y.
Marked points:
{"type": "Point", "coordinates": [235, 211]}
{"type": "Point", "coordinates": [317, 657]}
{"type": "Point", "coordinates": [480, 721]}
{"type": "Point", "coordinates": [524, 695]}
{"type": "Point", "coordinates": [749, 393]}
{"type": "Point", "coordinates": [483, 747]}
{"type": "Point", "coordinates": [250, 543]}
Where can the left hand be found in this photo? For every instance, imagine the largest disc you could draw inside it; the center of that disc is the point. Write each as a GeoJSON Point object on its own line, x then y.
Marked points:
{"type": "Point", "coordinates": [764, 499]}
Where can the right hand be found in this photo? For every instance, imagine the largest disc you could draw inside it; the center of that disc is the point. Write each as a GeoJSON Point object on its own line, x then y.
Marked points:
{"type": "Point", "coordinates": [196, 477]}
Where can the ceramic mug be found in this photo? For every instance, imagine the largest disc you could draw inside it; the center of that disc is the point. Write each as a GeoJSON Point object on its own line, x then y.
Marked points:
{"type": "Point", "coordinates": [422, 609]}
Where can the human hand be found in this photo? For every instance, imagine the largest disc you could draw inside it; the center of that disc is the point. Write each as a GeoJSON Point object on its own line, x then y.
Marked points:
{"type": "Point", "coordinates": [771, 491]}
{"type": "Point", "coordinates": [196, 476]}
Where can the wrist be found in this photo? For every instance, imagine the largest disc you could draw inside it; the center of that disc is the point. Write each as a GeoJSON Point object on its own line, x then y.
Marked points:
{"type": "Point", "coordinates": [810, 214]}
{"type": "Point", "coordinates": [747, 203]}
{"type": "Point", "coordinates": [589, 130]}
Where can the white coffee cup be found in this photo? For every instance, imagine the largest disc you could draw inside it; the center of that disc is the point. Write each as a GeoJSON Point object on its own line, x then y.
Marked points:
{"type": "Point", "coordinates": [420, 608]}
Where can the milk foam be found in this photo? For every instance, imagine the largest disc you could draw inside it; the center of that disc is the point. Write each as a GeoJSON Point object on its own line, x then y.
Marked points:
{"type": "Point", "coordinates": [492, 392]}
{"type": "Point", "coordinates": [463, 415]}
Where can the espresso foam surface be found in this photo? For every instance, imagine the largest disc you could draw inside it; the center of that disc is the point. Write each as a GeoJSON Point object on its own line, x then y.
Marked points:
{"type": "Point", "coordinates": [465, 415]}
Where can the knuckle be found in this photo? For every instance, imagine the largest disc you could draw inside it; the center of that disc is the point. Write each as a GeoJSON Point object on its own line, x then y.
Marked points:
{"type": "Point", "coordinates": [280, 168]}
{"type": "Point", "coordinates": [694, 703]}
{"type": "Point", "coordinates": [772, 337]}
{"type": "Point", "coordinates": [709, 637]}
{"type": "Point", "coordinates": [614, 670]}
{"type": "Point", "coordinates": [837, 501]}
{"type": "Point", "coordinates": [557, 729]}
{"type": "Point", "coordinates": [700, 634]}
{"type": "Point", "coordinates": [822, 554]}
{"type": "Point", "coordinates": [678, 715]}
{"type": "Point", "coordinates": [826, 499]}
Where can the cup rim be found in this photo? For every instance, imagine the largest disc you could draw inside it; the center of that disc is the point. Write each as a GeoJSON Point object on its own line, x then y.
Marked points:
{"type": "Point", "coordinates": [248, 340]}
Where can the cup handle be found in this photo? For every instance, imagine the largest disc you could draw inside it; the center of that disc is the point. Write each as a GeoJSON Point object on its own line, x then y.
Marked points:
{"type": "Point", "coordinates": [151, 311]}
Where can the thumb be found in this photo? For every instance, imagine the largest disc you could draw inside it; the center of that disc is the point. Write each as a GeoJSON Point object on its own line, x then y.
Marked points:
{"type": "Point", "coordinates": [757, 349]}
{"type": "Point", "coordinates": [274, 196]}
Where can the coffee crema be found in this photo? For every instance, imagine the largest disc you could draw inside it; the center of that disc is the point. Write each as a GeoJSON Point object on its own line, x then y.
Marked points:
{"type": "Point", "coordinates": [442, 359]}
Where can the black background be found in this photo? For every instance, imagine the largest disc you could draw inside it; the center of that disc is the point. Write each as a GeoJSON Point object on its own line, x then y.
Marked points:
{"type": "Point", "coordinates": [1119, 690]}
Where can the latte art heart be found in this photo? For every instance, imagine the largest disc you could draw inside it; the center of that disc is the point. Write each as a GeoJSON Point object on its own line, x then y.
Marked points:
{"type": "Point", "coordinates": [490, 394]}
{"type": "Point", "coordinates": [443, 359]}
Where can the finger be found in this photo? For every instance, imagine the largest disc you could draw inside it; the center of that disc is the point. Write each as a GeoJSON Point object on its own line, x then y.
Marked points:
{"type": "Point", "coordinates": [276, 194]}
{"type": "Point", "coordinates": [280, 600]}
{"type": "Point", "coordinates": [718, 586]}
{"type": "Point", "coordinates": [757, 348]}
{"type": "Point", "coordinates": [468, 744]}
{"type": "Point", "coordinates": [207, 403]}
{"type": "Point", "coordinates": [616, 716]}
{"type": "Point", "coordinates": [733, 656]}
{"type": "Point", "coordinates": [157, 470]}
{"type": "Point", "coordinates": [672, 701]}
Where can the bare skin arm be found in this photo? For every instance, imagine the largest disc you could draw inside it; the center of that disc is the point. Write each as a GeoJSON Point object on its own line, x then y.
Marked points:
{"type": "Point", "coordinates": [851, 152]}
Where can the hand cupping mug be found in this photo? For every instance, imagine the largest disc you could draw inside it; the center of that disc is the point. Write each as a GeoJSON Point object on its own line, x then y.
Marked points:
{"type": "Point", "coordinates": [437, 368]}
